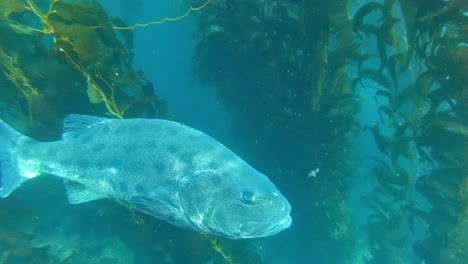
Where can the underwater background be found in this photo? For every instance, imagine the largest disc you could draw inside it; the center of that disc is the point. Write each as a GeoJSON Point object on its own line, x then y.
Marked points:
{"type": "Point", "coordinates": [356, 110]}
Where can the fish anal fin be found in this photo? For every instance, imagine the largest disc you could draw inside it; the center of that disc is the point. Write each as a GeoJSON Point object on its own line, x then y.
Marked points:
{"type": "Point", "coordinates": [78, 193]}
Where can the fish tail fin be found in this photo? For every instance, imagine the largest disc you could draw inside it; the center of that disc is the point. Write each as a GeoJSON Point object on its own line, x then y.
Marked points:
{"type": "Point", "coordinates": [10, 175]}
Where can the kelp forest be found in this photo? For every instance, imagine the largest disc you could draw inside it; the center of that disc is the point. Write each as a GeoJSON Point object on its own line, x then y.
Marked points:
{"type": "Point", "coordinates": [357, 110]}
{"type": "Point", "coordinates": [49, 54]}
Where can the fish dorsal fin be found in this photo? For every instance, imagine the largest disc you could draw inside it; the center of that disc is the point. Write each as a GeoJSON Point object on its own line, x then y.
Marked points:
{"type": "Point", "coordinates": [74, 125]}
{"type": "Point", "coordinates": [77, 193]}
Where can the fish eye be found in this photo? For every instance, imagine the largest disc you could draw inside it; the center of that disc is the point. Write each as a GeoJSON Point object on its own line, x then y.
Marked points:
{"type": "Point", "coordinates": [248, 197]}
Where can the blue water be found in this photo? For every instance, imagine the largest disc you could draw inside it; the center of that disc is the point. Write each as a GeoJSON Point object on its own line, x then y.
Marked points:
{"type": "Point", "coordinates": [344, 210]}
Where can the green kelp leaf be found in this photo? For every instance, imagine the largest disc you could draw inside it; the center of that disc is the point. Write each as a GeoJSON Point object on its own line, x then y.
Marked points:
{"type": "Point", "coordinates": [387, 110]}
{"type": "Point", "coordinates": [424, 154]}
{"type": "Point", "coordinates": [75, 13]}
{"type": "Point", "coordinates": [94, 95]}
{"type": "Point", "coordinates": [453, 127]}
{"type": "Point", "coordinates": [127, 35]}
{"type": "Point", "coordinates": [377, 77]}
{"type": "Point", "coordinates": [387, 7]}
{"type": "Point", "coordinates": [392, 66]}
{"type": "Point", "coordinates": [425, 83]}
{"type": "Point", "coordinates": [7, 7]}
{"type": "Point", "coordinates": [86, 43]}
{"type": "Point", "coordinates": [19, 29]}
{"type": "Point", "coordinates": [384, 93]}
{"type": "Point", "coordinates": [358, 19]}
{"type": "Point", "coordinates": [383, 142]}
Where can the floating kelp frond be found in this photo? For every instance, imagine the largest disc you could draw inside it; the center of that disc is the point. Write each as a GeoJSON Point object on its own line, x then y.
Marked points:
{"type": "Point", "coordinates": [9, 66]}
{"type": "Point", "coordinates": [93, 63]}
{"type": "Point", "coordinates": [8, 7]}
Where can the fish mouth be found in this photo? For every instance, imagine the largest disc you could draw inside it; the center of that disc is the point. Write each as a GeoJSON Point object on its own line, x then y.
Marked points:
{"type": "Point", "coordinates": [274, 229]}
{"type": "Point", "coordinates": [283, 224]}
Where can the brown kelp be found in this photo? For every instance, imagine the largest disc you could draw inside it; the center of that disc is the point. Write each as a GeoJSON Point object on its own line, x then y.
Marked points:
{"type": "Point", "coordinates": [294, 68]}
{"type": "Point", "coordinates": [442, 30]}
{"type": "Point", "coordinates": [281, 69]}
{"type": "Point", "coordinates": [421, 99]}
{"type": "Point", "coordinates": [68, 58]}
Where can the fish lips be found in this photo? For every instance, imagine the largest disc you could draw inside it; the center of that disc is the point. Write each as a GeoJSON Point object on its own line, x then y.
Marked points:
{"type": "Point", "coordinates": [273, 229]}
{"type": "Point", "coordinates": [282, 225]}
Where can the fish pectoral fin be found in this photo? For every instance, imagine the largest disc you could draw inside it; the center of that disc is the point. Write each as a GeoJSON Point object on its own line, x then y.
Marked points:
{"type": "Point", "coordinates": [77, 193]}
{"type": "Point", "coordinates": [159, 208]}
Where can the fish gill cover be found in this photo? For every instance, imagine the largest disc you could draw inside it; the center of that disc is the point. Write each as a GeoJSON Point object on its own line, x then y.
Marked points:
{"type": "Point", "coordinates": [356, 109]}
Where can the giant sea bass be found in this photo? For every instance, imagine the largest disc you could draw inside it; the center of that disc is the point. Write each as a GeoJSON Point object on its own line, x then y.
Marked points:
{"type": "Point", "coordinates": [159, 167]}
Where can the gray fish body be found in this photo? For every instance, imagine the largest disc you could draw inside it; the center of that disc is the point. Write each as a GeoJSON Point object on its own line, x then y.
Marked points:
{"type": "Point", "coordinates": [162, 168]}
